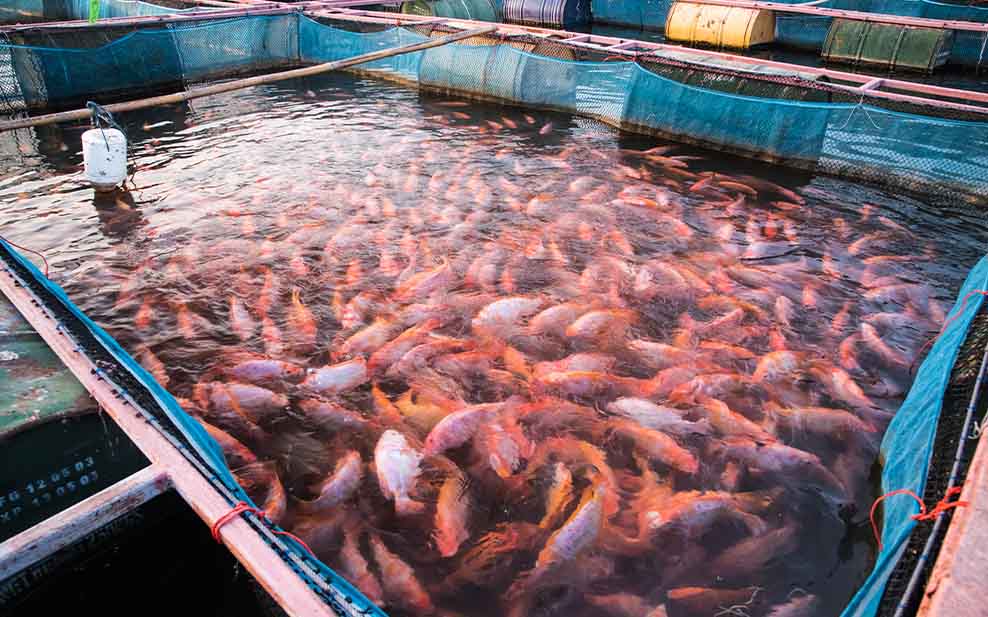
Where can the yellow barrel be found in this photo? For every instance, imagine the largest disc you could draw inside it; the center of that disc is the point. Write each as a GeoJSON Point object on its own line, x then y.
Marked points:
{"type": "Point", "coordinates": [719, 26]}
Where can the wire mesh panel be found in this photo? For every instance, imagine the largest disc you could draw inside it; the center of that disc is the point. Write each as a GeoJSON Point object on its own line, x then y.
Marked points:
{"type": "Point", "coordinates": [921, 152]}
{"type": "Point", "coordinates": [236, 45]}
{"type": "Point", "coordinates": [322, 43]}
{"type": "Point", "coordinates": [774, 129]}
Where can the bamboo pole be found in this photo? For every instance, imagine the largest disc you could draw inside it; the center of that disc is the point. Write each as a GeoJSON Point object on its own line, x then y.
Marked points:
{"type": "Point", "coordinates": [187, 95]}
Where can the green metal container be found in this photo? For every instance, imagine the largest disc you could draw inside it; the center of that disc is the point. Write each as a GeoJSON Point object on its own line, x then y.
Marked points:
{"type": "Point", "coordinates": [55, 447]}
{"type": "Point", "coordinates": [887, 45]}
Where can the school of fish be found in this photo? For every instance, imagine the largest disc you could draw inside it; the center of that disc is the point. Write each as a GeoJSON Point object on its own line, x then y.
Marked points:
{"type": "Point", "coordinates": [632, 387]}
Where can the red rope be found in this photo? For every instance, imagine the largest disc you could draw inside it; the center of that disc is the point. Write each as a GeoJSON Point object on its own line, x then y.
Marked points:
{"type": "Point", "coordinates": [242, 507]}
{"type": "Point", "coordinates": [237, 510]}
{"type": "Point", "coordinates": [942, 506]}
{"type": "Point", "coordinates": [958, 313]}
{"type": "Point", "coordinates": [24, 248]}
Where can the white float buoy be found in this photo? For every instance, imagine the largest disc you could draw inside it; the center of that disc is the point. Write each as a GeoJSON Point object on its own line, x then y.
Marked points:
{"type": "Point", "coordinates": [104, 153]}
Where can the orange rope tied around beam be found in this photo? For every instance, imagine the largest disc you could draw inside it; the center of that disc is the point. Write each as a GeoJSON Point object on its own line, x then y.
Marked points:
{"type": "Point", "coordinates": [242, 507]}
{"type": "Point", "coordinates": [942, 506]}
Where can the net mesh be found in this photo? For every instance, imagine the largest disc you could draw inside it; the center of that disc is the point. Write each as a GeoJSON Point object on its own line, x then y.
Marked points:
{"type": "Point", "coordinates": [762, 114]}
{"type": "Point", "coordinates": [63, 68]}
{"type": "Point", "coordinates": [23, 11]}
{"type": "Point", "coordinates": [949, 432]}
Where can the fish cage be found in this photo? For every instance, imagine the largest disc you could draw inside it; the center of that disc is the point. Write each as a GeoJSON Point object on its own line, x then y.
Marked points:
{"type": "Point", "coordinates": [71, 10]}
{"type": "Point", "coordinates": [923, 451]}
{"type": "Point", "coordinates": [927, 141]}
{"type": "Point", "coordinates": [52, 518]}
{"type": "Point", "coordinates": [816, 124]}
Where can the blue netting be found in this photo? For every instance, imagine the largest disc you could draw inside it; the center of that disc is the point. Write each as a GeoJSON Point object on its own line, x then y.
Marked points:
{"type": "Point", "coordinates": [318, 43]}
{"type": "Point", "coordinates": [958, 12]}
{"type": "Point", "coordinates": [345, 593]}
{"type": "Point", "coordinates": [230, 46]}
{"type": "Point", "coordinates": [857, 141]}
{"type": "Point", "coordinates": [909, 441]}
{"type": "Point", "coordinates": [780, 129]}
{"type": "Point", "coordinates": [60, 10]}
{"type": "Point", "coordinates": [149, 59]}
{"type": "Point", "coordinates": [948, 153]}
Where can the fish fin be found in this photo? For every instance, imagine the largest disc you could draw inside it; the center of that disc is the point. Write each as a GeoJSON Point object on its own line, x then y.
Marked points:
{"type": "Point", "coordinates": [406, 506]}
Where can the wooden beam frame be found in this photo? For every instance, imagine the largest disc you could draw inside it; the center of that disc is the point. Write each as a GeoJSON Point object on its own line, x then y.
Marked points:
{"type": "Point", "coordinates": [76, 522]}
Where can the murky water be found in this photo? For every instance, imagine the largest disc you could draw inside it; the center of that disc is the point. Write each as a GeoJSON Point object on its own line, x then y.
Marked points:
{"type": "Point", "coordinates": [585, 373]}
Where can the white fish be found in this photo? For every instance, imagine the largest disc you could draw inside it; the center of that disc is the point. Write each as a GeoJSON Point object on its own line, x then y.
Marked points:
{"type": "Point", "coordinates": [397, 466]}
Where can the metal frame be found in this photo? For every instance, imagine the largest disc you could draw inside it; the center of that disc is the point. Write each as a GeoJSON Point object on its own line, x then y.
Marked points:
{"type": "Point", "coordinates": [76, 522]}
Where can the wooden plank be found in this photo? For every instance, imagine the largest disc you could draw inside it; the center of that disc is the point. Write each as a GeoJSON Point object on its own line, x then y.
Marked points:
{"type": "Point", "coordinates": [274, 574]}
{"type": "Point", "coordinates": [74, 523]}
{"type": "Point", "coordinates": [239, 84]}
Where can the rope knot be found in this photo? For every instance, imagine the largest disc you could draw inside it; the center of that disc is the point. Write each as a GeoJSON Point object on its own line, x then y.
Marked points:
{"type": "Point", "coordinates": [243, 506]}
{"type": "Point", "coordinates": [942, 506]}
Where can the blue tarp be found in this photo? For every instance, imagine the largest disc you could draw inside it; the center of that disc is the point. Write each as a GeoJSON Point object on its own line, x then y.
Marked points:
{"type": "Point", "coordinates": [908, 444]}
